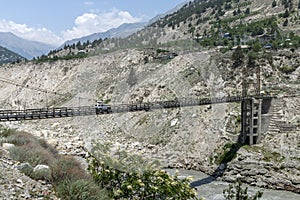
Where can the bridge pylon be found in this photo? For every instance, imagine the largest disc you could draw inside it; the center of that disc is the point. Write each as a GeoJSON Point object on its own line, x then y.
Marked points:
{"type": "Point", "coordinates": [251, 110]}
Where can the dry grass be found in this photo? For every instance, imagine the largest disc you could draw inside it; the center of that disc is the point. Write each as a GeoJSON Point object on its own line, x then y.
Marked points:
{"type": "Point", "coordinates": [67, 168]}
{"type": "Point", "coordinates": [69, 179]}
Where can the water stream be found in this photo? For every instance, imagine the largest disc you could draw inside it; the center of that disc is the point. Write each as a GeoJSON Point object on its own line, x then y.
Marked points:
{"type": "Point", "coordinates": [210, 189]}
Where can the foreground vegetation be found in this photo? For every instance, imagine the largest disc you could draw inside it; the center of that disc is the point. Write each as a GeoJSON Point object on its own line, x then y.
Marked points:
{"type": "Point", "coordinates": [109, 176]}
{"type": "Point", "coordinates": [118, 176]}
{"type": "Point", "coordinates": [236, 192]}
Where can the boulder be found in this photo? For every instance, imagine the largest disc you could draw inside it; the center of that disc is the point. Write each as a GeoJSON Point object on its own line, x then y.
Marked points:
{"type": "Point", "coordinates": [8, 146]}
{"type": "Point", "coordinates": [25, 168]}
{"type": "Point", "coordinates": [42, 172]}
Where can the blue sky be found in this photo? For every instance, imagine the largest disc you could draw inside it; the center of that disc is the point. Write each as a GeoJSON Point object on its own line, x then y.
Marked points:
{"type": "Point", "coordinates": [55, 21]}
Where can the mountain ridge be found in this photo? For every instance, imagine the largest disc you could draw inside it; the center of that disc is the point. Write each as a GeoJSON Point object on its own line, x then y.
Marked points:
{"type": "Point", "coordinates": [26, 48]}
{"type": "Point", "coordinates": [7, 56]}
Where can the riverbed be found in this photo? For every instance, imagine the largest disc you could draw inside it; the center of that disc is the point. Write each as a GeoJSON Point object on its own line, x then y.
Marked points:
{"type": "Point", "coordinates": [211, 189]}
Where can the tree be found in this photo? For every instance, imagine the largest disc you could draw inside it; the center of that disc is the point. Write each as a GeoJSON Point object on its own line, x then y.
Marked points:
{"type": "Point", "coordinates": [238, 56]}
{"type": "Point", "coordinates": [285, 23]}
{"type": "Point", "coordinates": [251, 59]}
{"type": "Point", "coordinates": [283, 2]}
{"type": "Point", "coordinates": [247, 12]}
{"type": "Point", "coordinates": [286, 14]}
{"type": "Point", "coordinates": [256, 46]}
{"type": "Point", "coordinates": [236, 192]}
{"type": "Point", "coordinates": [274, 4]}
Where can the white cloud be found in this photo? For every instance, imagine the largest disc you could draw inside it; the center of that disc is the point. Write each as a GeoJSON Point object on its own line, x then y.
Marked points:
{"type": "Point", "coordinates": [88, 3]}
{"type": "Point", "coordinates": [86, 24]}
{"type": "Point", "coordinates": [30, 33]}
{"type": "Point", "coordinates": [90, 23]}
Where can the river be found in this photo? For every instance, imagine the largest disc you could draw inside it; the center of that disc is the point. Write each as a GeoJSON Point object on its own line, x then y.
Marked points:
{"type": "Point", "coordinates": [210, 189]}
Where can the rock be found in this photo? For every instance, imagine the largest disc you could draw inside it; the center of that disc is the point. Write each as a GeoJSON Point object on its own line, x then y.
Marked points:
{"type": "Point", "coordinates": [8, 146]}
{"type": "Point", "coordinates": [174, 122]}
{"type": "Point", "coordinates": [19, 181]}
{"type": "Point", "coordinates": [296, 181]}
{"type": "Point", "coordinates": [229, 179]}
{"type": "Point", "coordinates": [263, 171]}
{"type": "Point", "coordinates": [222, 166]}
{"type": "Point", "coordinates": [261, 184]}
{"type": "Point", "coordinates": [252, 172]}
{"type": "Point", "coordinates": [25, 168]}
{"type": "Point", "coordinates": [150, 146]}
{"type": "Point", "coordinates": [42, 172]}
{"type": "Point", "coordinates": [52, 142]}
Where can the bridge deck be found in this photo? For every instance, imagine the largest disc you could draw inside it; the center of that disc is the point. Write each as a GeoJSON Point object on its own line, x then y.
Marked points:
{"type": "Point", "coordinates": [45, 113]}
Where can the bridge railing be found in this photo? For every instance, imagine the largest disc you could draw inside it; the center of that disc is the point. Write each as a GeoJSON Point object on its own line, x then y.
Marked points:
{"type": "Point", "coordinates": [42, 113]}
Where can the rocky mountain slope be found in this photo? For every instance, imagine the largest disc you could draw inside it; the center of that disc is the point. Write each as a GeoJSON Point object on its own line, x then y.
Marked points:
{"type": "Point", "coordinates": [27, 49]}
{"type": "Point", "coordinates": [8, 56]}
{"type": "Point", "coordinates": [122, 31]}
{"type": "Point", "coordinates": [192, 138]}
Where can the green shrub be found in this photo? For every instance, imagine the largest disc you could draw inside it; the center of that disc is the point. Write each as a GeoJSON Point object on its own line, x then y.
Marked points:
{"type": "Point", "coordinates": [236, 192]}
{"type": "Point", "coordinates": [66, 168]}
{"type": "Point", "coordinates": [69, 179]}
{"type": "Point", "coordinates": [80, 190]}
{"type": "Point", "coordinates": [229, 152]}
{"type": "Point", "coordinates": [47, 147]}
{"type": "Point", "coordinates": [5, 132]}
{"type": "Point", "coordinates": [127, 176]}
{"type": "Point", "coordinates": [26, 169]}
{"type": "Point", "coordinates": [18, 138]}
{"type": "Point", "coordinates": [287, 69]}
{"type": "Point", "coordinates": [29, 149]}
{"type": "Point", "coordinates": [31, 154]}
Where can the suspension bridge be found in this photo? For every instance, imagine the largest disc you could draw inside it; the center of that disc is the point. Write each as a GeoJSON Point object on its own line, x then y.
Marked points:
{"type": "Point", "coordinates": [253, 108]}
{"type": "Point", "coordinates": [59, 112]}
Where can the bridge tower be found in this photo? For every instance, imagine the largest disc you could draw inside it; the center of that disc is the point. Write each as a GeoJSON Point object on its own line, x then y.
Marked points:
{"type": "Point", "coordinates": [251, 112]}
{"type": "Point", "coordinates": [251, 121]}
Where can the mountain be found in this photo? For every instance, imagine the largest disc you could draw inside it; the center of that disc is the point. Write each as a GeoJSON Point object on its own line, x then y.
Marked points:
{"type": "Point", "coordinates": [23, 47]}
{"type": "Point", "coordinates": [219, 23]}
{"type": "Point", "coordinates": [157, 17]}
{"type": "Point", "coordinates": [122, 31]}
{"type": "Point", "coordinates": [7, 56]}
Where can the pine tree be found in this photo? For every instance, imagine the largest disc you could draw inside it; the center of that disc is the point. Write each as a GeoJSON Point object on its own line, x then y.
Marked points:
{"type": "Point", "coordinates": [237, 57]}
{"type": "Point", "coordinates": [286, 14]}
{"type": "Point", "coordinates": [285, 23]}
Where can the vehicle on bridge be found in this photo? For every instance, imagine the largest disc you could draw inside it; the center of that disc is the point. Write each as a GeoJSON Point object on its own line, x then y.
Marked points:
{"type": "Point", "coordinates": [102, 108]}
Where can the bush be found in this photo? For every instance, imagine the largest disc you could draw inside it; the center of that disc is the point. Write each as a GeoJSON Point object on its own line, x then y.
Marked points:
{"type": "Point", "coordinates": [287, 69]}
{"type": "Point", "coordinates": [80, 190]}
{"type": "Point", "coordinates": [126, 178]}
{"type": "Point", "coordinates": [228, 154]}
{"type": "Point", "coordinates": [17, 138]}
{"type": "Point", "coordinates": [28, 149]}
{"type": "Point", "coordinates": [235, 191]}
{"type": "Point", "coordinates": [69, 179]}
{"type": "Point", "coordinates": [5, 132]}
{"type": "Point", "coordinates": [66, 168]}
